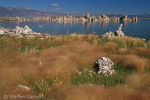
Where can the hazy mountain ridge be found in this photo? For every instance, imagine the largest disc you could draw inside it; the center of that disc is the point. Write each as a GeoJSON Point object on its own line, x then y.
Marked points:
{"type": "Point", "coordinates": [24, 12]}
{"type": "Point", "coordinates": [27, 12]}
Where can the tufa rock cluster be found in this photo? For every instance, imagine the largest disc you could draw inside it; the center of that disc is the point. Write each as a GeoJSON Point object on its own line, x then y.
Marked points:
{"type": "Point", "coordinates": [105, 66]}
{"type": "Point", "coordinates": [118, 33]}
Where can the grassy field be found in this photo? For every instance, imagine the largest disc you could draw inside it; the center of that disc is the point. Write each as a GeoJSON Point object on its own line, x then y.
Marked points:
{"type": "Point", "coordinates": [58, 68]}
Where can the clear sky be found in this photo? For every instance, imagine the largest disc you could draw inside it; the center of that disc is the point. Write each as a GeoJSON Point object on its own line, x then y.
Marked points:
{"type": "Point", "coordinates": [83, 6]}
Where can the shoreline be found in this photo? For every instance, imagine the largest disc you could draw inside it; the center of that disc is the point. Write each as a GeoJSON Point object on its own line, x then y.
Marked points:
{"type": "Point", "coordinates": [21, 32]}
{"type": "Point", "coordinates": [26, 32]}
{"type": "Point", "coordinates": [130, 28]}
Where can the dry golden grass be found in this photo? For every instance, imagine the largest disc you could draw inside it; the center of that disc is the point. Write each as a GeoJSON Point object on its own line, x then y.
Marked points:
{"type": "Point", "coordinates": [131, 61]}
{"type": "Point", "coordinates": [123, 51]}
{"type": "Point", "coordinates": [58, 66]}
{"type": "Point", "coordinates": [110, 47]}
{"type": "Point", "coordinates": [141, 81]}
{"type": "Point", "coordinates": [91, 37]}
{"type": "Point", "coordinates": [135, 62]}
{"type": "Point", "coordinates": [128, 42]}
{"type": "Point", "coordinates": [57, 63]}
{"type": "Point", "coordinates": [93, 92]}
{"type": "Point", "coordinates": [141, 52]}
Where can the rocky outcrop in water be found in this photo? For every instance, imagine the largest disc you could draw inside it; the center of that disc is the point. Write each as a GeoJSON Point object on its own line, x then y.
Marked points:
{"type": "Point", "coordinates": [105, 17]}
{"type": "Point", "coordinates": [125, 18]}
{"type": "Point", "coordinates": [105, 66]}
{"type": "Point", "coordinates": [88, 16]}
{"type": "Point", "coordinates": [81, 18]}
{"type": "Point", "coordinates": [118, 33]}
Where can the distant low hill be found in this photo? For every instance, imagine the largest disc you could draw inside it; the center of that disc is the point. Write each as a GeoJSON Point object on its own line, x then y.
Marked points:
{"type": "Point", "coordinates": [26, 12]}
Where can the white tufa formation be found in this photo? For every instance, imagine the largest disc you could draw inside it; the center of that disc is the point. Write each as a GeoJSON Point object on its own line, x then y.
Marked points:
{"type": "Point", "coordinates": [118, 33]}
{"type": "Point", "coordinates": [24, 31]}
{"type": "Point", "coordinates": [1, 32]}
{"type": "Point", "coordinates": [109, 34]}
{"type": "Point", "coordinates": [105, 65]}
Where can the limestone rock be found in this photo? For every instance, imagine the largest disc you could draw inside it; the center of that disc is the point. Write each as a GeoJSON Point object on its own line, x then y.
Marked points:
{"type": "Point", "coordinates": [17, 18]}
{"type": "Point", "coordinates": [24, 31]}
{"type": "Point", "coordinates": [124, 18]}
{"type": "Point", "coordinates": [94, 18]}
{"type": "Point", "coordinates": [83, 19]}
{"type": "Point", "coordinates": [134, 18]}
{"type": "Point", "coordinates": [88, 16]}
{"type": "Point", "coordinates": [99, 18]}
{"type": "Point", "coordinates": [105, 66]}
{"type": "Point", "coordinates": [1, 32]}
{"type": "Point", "coordinates": [109, 34]}
{"type": "Point", "coordinates": [27, 30]}
{"type": "Point", "coordinates": [18, 30]}
{"type": "Point", "coordinates": [104, 16]}
{"type": "Point", "coordinates": [114, 19]}
{"type": "Point", "coordinates": [119, 32]}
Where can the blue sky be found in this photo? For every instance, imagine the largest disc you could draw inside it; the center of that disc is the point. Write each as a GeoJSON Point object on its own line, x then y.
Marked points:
{"type": "Point", "coordinates": [83, 6]}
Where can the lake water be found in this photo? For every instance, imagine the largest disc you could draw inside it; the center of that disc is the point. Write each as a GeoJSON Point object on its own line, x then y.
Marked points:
{"type": "Point", "coordinates": [139, 29]}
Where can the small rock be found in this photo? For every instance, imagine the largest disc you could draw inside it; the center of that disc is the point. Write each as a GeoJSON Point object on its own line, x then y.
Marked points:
{"type": "Point", "coordinates": [78, 72]}
{"type": "Point", "coordinates": [23, 87]}
{"type": "Point", "coordinates": [1, 32]}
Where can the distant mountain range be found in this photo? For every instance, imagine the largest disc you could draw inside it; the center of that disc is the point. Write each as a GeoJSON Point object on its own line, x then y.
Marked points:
{"type": "Point", "coordinates": [26, 12]}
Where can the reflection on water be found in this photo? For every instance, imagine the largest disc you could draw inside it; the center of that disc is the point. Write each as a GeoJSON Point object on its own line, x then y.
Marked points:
{"type": "Point", "coordinates": [136, 29]}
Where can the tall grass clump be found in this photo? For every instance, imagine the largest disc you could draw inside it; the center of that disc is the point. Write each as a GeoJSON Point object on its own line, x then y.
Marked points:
{"type": "Point", "coordinates": [142, 52]}
{"type": "Point", "coordinates": [110, 47]}
{"type": "Point", "coordinates": [91, 37]}
{"type": "Point", "coordinates": [97, 92]}
{"type": "Point", "coordinates": [25, 44]}
{"type": "Point", "coordinates": [125, 42]}
{"type": "Point", "coordinates": [139, 81]}
{"type": "Point", "coordinates": [148, 44]}
{"type": "Point", "coordinates": [123, 51]}
{"type": "Point", "coordinates": [130, 61]}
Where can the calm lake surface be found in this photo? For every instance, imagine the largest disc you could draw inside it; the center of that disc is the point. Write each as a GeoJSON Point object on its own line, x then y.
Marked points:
{"type": "Point", "coordinates": [139, 29]}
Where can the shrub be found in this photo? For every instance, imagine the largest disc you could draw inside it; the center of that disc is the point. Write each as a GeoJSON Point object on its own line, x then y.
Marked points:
{"type": "Point", "coordinates": [130, 61]}
{"type": "Point", "coordinates": [141, 81]}
{"type": "Point", "coordinates": [122, 50]}
{"type": "Point", "coordinates": [110, 47]}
